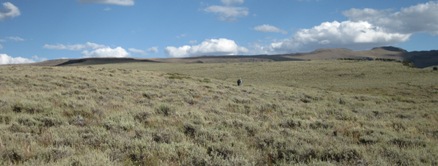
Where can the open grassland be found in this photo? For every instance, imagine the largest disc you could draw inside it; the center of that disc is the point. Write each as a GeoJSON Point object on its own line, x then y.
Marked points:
{"type": "Point", "coordinates": [309, 113]}
{"type": "Point", "coordinates": [362, 77]}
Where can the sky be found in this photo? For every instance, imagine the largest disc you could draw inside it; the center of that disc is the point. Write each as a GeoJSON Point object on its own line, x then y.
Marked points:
{"type": "Point", "coordinates": [32, 31]}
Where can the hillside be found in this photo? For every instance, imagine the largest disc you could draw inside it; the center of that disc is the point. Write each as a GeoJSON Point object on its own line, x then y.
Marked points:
{"type": "Point", "coordinates": [420, 59]}
{"type": "Point", "coordinates": [286, 113]}
{"type": "Point", "coordinates": [423, 59]}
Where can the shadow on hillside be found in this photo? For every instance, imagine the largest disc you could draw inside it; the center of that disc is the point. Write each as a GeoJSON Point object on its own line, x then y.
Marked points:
{"type": "Point", "coordinates": [99, 61]}
{"type": "Point", "coordinates": [423, 59]}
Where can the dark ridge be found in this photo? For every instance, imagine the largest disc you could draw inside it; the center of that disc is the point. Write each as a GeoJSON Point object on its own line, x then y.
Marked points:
{"type": "Point", "coordinates": [97, 61]}
{"type": "Point", "coordinates": [391, 48]}
{"type": "Point", "coordinates": [423, 59]}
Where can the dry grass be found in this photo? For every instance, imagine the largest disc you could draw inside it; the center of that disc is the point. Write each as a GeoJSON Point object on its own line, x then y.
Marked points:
{"type": "Point", "coordinates": [309, 113]}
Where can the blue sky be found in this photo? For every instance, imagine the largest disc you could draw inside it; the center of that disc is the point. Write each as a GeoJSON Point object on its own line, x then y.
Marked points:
{"type": "Point", "coordinates": [51, 29]}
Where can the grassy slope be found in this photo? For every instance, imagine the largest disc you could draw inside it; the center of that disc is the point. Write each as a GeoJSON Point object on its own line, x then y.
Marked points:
{"type": "Point", "coordinates": [315, 112]}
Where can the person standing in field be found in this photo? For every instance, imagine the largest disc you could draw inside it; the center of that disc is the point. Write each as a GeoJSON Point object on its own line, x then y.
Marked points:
{"type": "Point", "coordinates": [239, 82]}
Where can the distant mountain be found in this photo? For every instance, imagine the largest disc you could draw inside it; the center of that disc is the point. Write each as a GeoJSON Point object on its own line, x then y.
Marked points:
{"type": "Point", "coordinates": [419, 59]}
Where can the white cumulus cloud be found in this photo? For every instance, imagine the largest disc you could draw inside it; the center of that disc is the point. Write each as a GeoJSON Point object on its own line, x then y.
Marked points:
{"type": "Point", "coordinates": [219, 46]}
{"type": "Point", "coordinates": [117, 52]}
{"type": "Point", "coordinates": [6, 59]}
{"type": "Point", "coordinates": [9, 11]}
{"type": "Point", "coordinates": [346, 34]}
{"type": "Point", "coordinates": [228, 13]}
{"type": "Point", "coordinates": [269, 28]}
{"type": "Point", "coordinates": [90, 49]}
{"type": "Point", "coordinates": [111, 2]}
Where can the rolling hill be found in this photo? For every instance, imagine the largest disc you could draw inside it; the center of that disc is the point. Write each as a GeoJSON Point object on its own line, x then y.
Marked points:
{"type": "Point", "coordinates": [420, 59]}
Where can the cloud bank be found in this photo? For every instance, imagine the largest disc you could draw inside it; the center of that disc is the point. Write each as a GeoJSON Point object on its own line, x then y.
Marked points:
{"type": "Point", "coordinates": [9, 11]}
{"type": "Point", "coordinates": [219, 46]}
{"type": "Point", "coordinates": [6, 59]}
{"type": "Point", "coordinates": [417, 18]}
{"type": "Point", "coordinates": [364, 29]}
{"type": "Point", "coordinates": [111, 2]}
{"type": "Point", "coordinates": [355, 35]}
